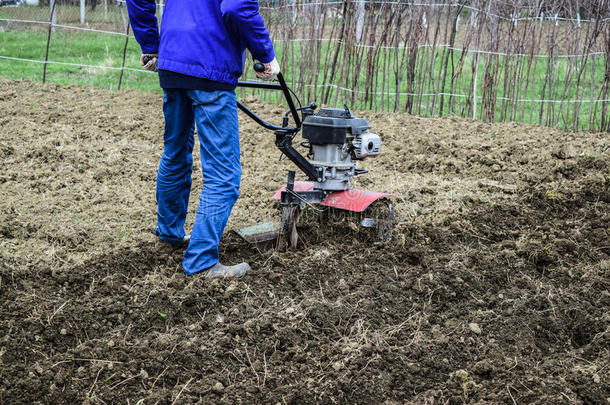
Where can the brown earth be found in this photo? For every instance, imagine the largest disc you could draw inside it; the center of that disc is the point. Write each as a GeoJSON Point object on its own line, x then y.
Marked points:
{"type": "Point", "coordinates": [494, 289]}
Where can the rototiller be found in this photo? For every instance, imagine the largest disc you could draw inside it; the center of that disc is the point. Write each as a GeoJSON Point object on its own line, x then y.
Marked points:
{"type": "Point", "coordinates": [336, 140]}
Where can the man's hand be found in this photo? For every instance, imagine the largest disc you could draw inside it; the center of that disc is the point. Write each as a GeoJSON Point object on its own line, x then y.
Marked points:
{"type": "Point", "coordinates": [151, 62]}
{"type": "Point", "coordinates": [271, 70]}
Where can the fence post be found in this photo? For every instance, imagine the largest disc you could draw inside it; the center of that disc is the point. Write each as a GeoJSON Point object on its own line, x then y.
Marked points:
{"type": "Point", "coordinates": [124, 54]}
{"type": "Point", "coordinates": [82, 12]}
{"type": "Point", "coordinates": [475, 85]}
{"type": "Point", "coordinates": [52, 20]}
{"type": "Point", "coordinates": [53, 15]}
{"type": "Point", "coordinates": [125, 23]}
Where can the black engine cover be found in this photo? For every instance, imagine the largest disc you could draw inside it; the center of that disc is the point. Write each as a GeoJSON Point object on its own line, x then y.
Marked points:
{"type": "Point", "coordinates": [331, 126]}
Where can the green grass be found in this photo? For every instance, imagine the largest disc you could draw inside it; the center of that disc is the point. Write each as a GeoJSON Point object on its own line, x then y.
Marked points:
{"type": "Point", "coordinates": [106, 50]}
{"type": "Point", "coordinates": [80, 48]}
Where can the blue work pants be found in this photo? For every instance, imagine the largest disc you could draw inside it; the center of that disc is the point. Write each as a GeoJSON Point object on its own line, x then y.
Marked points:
{"type": "Point", "coordinates": [215, 114]}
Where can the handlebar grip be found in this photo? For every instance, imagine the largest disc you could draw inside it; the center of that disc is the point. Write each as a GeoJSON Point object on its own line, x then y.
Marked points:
{"type": "Point", "coordinates": [259, 67]}
{"type": "Point", "coordinates": [146, 59]}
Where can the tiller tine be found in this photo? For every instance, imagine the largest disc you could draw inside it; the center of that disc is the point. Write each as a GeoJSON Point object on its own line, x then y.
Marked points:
{"type": "Point", "coordinates": [373, 208]}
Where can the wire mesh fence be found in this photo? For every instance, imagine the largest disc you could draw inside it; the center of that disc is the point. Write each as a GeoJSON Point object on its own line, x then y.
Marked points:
{"type": "Point", "coordinates": [525, 60]}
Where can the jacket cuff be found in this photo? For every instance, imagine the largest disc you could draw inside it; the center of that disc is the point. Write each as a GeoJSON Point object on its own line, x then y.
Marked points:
{"type": "Point", "coordinates": [153, 48]}
{"type": "Point", "coordinates": [267, 57]}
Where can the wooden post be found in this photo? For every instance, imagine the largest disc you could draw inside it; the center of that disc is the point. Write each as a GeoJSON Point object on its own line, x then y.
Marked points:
{"type": "Point", "coordinates": [475, 84]}
{"type": "Point", "coordinates": [82, 12]}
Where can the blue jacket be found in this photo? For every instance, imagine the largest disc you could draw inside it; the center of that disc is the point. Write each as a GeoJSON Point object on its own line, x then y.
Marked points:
{"type": "Point", "coordinates": [202, 38]}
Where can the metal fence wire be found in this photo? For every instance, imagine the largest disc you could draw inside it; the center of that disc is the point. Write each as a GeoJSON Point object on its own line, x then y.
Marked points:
{"type": "Point", "coordinates": [532, 61]}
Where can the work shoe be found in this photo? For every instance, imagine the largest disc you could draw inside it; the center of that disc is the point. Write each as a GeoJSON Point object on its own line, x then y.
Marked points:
{"type": "Point", "coordinates": [220, 270]}
{"type": "Point", "coordinates": [164, 246]}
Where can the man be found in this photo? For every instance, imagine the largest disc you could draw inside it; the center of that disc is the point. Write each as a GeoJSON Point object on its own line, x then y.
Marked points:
{"type": "Point", "coordinates": [200, 56]}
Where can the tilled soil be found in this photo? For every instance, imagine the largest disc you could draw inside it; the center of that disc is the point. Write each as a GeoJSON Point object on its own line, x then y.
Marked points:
{"type": "Point", "coordinates": [494, 289]}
